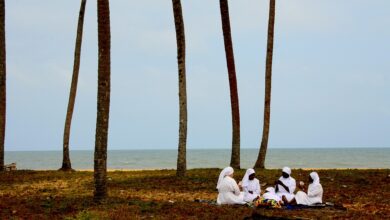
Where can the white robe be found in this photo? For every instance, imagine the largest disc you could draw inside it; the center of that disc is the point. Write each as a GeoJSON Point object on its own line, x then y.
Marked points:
{"type": "Point", "coordinates": [254, 186]}
{"type": "Point", "coordinates": [314, 192]}
{"type": "Point", "coordinates": [291, 184]}
{"type": "Point", "coordinates": [229, 193]}
{"type": "Point", "coordinates": [270, 194]}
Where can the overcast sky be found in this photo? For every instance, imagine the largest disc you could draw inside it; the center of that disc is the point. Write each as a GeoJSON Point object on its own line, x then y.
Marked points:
{"type": "Point", "coordinates": [331, 83]}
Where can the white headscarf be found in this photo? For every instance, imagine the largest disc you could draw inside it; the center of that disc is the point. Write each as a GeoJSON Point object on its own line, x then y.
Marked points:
{"type": "Point", "coordinates": [270, 194]}
{"type": "Point", "coordinates": [225, 172]}
{"type": "Point", "coordinates": [270, 189]}
{"type": "Point", "coordinates": [286, 170]}
{"type": "Point", "coordinates": [315, 177]}
{"type": "Point", "coordinates": [245, 180]}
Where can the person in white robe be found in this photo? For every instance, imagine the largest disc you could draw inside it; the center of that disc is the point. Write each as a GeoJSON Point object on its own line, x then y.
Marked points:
{"type": "Point", "coordinates": [314, 191]}
{"type": "Point", "coordinates": [285, 186]}
{"type": "Point", "coordinates": [228, 190]}
{"type": "Point", "coordinates": [250, 186]}
{"type": "Point", "coordinates": [270, 194]}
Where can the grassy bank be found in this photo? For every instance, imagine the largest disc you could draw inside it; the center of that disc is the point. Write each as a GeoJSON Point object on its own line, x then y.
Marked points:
{"type": "Point", "coordinates": [159, 194]}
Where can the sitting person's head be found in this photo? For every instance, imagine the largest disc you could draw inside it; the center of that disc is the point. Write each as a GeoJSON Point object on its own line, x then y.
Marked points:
{"type": "Point", "coordinates": [270, 189]}
{"type": "Point", "coordinates": [249, 175]}
{"type": "Point", "coordinates": [227, 171]}
{"type": "Point", "coordinates": [286, 172]}
{"type": "Point", "coordinates": [314, 178]}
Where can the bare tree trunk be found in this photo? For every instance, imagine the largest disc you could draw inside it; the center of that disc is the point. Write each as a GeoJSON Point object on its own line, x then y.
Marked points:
{"type": "Point", "coordinates": [235, 157]}
{"type": "Point", "coordinates": [268, 77]}
{"type": "Point", "coordinates": [103, 100]}
{"type": "Point", "coordinates": [66, 165]}
{"type": "Point", "coordinates": [2, 82]}
{"type": "Point", "coordinates": [181, 60]}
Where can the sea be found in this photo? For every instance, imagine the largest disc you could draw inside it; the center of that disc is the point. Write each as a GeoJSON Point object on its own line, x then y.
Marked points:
{"type": "Point", "coordinates": [207, 158]}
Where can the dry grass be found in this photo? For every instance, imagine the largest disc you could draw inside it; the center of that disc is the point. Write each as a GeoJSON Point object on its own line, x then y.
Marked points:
{"type": "Point", "coordinates": [159, 194]}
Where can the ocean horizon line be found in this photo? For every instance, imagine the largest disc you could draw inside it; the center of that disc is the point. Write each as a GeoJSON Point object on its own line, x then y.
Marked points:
{"type": "Point", "coordinates": [170, 149]}
{"type": "Point", "coordinates": [204, 158]}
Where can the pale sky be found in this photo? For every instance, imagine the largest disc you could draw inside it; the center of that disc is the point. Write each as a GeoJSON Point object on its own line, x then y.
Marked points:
{"type": "Point", "coordinates": [331, 83]}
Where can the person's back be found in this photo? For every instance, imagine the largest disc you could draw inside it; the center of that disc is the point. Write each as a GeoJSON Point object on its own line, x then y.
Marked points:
{"type": "Point", "coordinates": [315, 193]}
{"type": "Point", "coordinates": [229, 192]}
{"type": "Point", "coordinates": [228, 185]}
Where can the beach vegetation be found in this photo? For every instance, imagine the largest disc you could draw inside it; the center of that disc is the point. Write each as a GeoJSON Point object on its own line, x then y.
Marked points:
{"type": "Point", "coordinates": [161, 194]}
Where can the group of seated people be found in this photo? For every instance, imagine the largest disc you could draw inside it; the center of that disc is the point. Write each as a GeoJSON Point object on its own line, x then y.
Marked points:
{"type": "Point", "coordinates": [249, 190]}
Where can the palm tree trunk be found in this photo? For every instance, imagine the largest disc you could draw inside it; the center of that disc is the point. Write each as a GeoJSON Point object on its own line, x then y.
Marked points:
{"type": "Point", "coordinates": [2, 82]}
{"type": "Point", "coordinates": [235, 157]}
{"type": "Point", "coordinates": [103, 100]}
{"type": "Point", "coordinates": [181, 60]}
{"type": "Point", "coordinates": [268, 77]}
{"type": "Point", "coordinates": [66, 165]}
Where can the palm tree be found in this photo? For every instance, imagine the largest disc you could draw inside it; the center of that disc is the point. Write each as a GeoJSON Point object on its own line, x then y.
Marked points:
{"type": "Point", "coordinates": [268, 77]}
{"type": "Point", "coordinates": [103, 100]}
{"type": "Point", "coordinates": [181, 61]}
{"type": "Point", "coordinates": [235, 157]}
{"type": "Point", "coordinates": [66, 165]}
{"type": "Point", "coordinates": [2, 82]}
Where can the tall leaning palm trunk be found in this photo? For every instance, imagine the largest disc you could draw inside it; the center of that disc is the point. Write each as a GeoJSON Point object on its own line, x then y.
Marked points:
{"type": "Point", "coordinates": [235, 157]}
{"type": "Point", "coordinates": [2, 82]}
{"type": "Point", "coordinates": [268, 77]}
{"type": "Point", "coordinates": [103, 100]}
{"type": "Point", "coordinates": [66, 165]}
{"type": "Point", "coordinates": [181, 61]}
